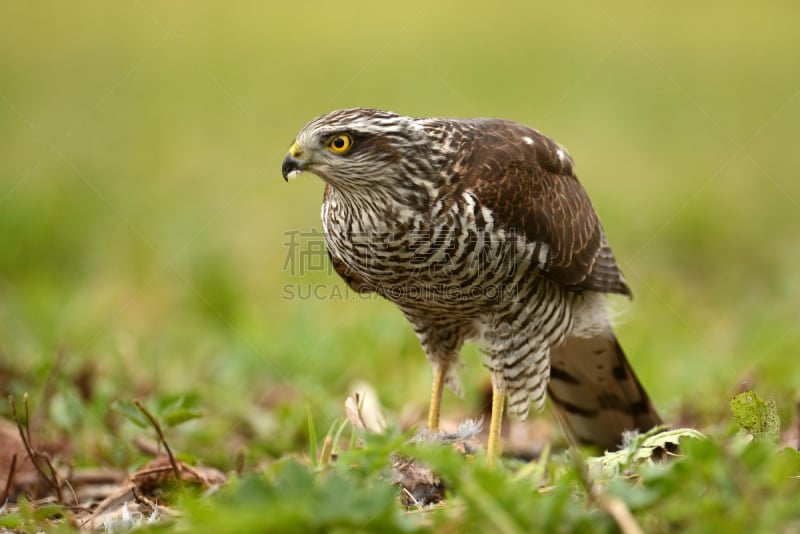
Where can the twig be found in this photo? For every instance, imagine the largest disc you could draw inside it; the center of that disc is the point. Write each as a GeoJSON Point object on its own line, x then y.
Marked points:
{"type": "Point", "coordinates": [413, 499]}
{"type": "Point", "coordinates": [151, 471]}
{"type": "Point", "coordinates": [7, 489]}
{"type": "Point", "coordinates": [615, 507]}
{"type": "Point", "coordinates": [352, 409]}
{"type": "Point", "coordinates": [34, 455]}
{"type": "Point", "coordinates": [141, 499]}
{"type": "Point", "coordinates": [161, 438]}
{"type": "Point", "coordinates": [54, 473]}
{"type": "Point", "coordinates": [618, 510]}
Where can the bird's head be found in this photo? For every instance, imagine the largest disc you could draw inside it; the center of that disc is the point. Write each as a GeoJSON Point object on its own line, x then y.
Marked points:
{"type": "Point", "coordinates": [358, 148]}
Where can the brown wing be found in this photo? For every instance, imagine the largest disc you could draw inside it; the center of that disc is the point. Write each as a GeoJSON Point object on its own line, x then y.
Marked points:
{"type": "Point", "coordinates": [528, 182]}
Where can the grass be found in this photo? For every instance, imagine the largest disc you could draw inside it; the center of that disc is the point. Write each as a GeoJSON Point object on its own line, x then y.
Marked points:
{"type": "Point", "coordinates": [143, 230]}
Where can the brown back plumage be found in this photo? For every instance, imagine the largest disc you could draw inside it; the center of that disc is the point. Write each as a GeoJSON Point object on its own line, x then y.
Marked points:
{"type": "Point", "coordinates": [532, 188]}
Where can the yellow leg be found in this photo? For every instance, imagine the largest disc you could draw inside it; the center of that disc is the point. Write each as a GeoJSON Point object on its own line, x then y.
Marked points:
{"type": "Point", "coordinates": [493, 447]}
{"type": "Point", "coordinates": [439, 372]}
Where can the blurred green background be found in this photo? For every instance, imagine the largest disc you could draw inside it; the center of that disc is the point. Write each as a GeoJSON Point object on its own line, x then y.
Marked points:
{"type": "Point", "coordinates": [143, 218]}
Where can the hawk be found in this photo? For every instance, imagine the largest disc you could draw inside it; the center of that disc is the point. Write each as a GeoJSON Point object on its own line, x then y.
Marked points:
{"type": "Point", "coordinates": [479, 230]}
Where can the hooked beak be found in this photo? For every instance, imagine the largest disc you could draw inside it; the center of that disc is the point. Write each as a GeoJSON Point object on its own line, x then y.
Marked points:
{"type": "Point", "coordinates": [293, 164]}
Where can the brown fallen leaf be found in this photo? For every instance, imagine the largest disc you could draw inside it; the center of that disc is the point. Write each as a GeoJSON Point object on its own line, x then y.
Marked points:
{"type": "Point", "coordinates": [24, 476]}
{"type": "Point", "coordinates": [140, 498]}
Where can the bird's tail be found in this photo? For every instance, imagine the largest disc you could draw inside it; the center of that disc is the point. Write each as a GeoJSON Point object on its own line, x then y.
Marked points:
{"type": "Point", "coordinates": [595, 393]}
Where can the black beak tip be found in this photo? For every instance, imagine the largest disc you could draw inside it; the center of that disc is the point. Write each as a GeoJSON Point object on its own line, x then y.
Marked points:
{"type": "Point", "coordinates": [290, 165]}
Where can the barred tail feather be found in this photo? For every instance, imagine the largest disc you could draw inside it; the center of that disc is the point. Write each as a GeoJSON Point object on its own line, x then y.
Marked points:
{"type": "Point", "coordinates": [595, 393]}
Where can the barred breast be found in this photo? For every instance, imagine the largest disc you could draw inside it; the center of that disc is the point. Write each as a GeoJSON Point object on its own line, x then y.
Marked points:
{"type": "Point", "coordinates": [458, 276]}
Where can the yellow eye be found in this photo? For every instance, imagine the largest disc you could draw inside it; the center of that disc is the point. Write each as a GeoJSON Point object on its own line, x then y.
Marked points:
{"type": "Point", "coordinates": [341, 143]}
